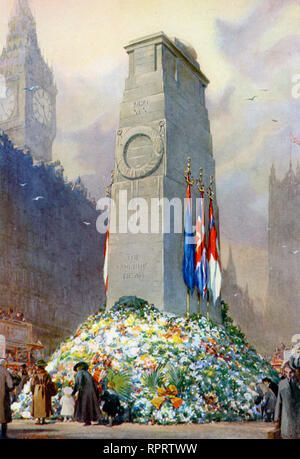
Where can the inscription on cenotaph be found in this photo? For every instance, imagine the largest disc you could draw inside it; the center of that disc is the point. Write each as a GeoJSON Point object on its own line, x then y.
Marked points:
{"type": "Point", "coordinates": [141, 106]}
{"type": "Point", "coordinates": [134, 268]}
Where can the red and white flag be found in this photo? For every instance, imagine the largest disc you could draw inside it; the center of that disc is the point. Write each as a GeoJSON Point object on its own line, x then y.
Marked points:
{"type": "Point", "coordinates": [215, 276]}
{"type": "Point", "coordinates": [201, 265]}
{"type": "Point", "coordinates": [294, 139]}
{"type": "Point", "coordinates": [105, 266]}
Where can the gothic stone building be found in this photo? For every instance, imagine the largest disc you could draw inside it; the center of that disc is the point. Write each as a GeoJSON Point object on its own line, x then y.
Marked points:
{"type": "Point", "coordinates": [242, 308]}
{"type": "Point", "coordinates": [284, 255]}
{"type": "Point", "coordinates": [51, 254]}
{"type": "Point", "coordinates": [27, 110]}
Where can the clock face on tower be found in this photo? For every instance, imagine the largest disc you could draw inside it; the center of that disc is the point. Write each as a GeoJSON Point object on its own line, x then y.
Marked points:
{"type": "Point", "coordinates": [42, 106]}
{"type": "Point", "coordinates": [7, 105]}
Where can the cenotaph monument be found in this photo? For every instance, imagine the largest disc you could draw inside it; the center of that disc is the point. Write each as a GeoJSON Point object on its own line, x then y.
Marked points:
{"type": "Point", "coordinates": [163, 121]}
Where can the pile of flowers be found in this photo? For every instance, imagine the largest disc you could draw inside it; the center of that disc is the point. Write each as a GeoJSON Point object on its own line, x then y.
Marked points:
{"type": "Point", "coordinates": [181, 370]}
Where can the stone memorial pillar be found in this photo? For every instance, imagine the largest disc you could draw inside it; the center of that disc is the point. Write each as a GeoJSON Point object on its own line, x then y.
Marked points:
{"type": "Point", "coordinates": [163, 121]}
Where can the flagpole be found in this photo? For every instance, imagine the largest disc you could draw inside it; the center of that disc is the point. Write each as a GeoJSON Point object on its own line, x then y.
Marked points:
{"type": "Point", "coordinates": [190, 181]}
{"type": "Point", "coordinates": [207, 305]}
{"type": "Point", "coordinates": [188, 303]}
{"type": "Point", "coordinates": [201, 189]}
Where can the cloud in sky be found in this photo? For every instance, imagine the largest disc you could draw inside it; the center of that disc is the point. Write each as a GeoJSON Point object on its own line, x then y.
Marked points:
{"type": "Point", "coordinates": [240, 42]}
{"type": "Point", "coordinates": [250, 135]}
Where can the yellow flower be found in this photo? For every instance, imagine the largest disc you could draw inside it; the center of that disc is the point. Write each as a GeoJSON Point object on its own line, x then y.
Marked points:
{"type": "Point", "coordinates": [176, 339]}
{"type": "Point", "coordinates": [129, 321]}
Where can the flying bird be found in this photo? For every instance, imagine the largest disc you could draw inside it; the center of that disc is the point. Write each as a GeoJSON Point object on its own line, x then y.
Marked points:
{"type": "Point", "coordinates": [251, 98]}
{"type": "Point", "coordinates": [275, 121]}
{"type": "Point", "coordinates": [38, 198]}
{"type": "Point", "coordinates": [23, 184]}
{"type": "Point", "coordinates": [294, 252]}
{"type": "Point", "coordinates": [87, 223]}
{"type": "Point", "coordinates": [33, 88]}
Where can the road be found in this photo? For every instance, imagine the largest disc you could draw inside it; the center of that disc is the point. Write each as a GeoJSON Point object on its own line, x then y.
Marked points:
{"type": "Point", "coordinates": [26, 429]}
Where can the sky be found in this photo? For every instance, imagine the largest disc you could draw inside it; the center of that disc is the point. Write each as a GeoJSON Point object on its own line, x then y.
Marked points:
{"type": "Point", "coordinates": [246, 48]}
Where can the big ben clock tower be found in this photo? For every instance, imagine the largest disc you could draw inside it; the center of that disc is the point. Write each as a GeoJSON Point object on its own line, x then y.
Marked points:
{"type": "Point", "coordinates": [27, 88]}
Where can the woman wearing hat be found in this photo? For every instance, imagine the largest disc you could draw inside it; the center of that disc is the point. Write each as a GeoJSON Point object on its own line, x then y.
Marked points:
{"type": "Point", "coordinates": [6, 385]}
{"type": "Point", "coordinates": [287, 411]}
{"type": "Point", "coordinates": [87, 404]}
{"type": "Point", "coordinates": [42, 389]}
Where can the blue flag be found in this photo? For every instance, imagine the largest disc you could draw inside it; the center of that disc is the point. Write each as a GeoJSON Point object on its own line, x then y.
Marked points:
{"type": "Point", "coordinates": [189, 245]}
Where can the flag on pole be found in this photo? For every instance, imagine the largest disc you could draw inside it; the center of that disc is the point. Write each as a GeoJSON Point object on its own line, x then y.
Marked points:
{"type": "Point", "coordinates": [215, 276]}
{"type": "Point", "coordinates": [201, 264]}
{"type": "Point", "coordinates": [294, 139]}
{"type": "Point", "coordinates": [189, 246]}
{"type": "Point", "coordinates": [105, 266]}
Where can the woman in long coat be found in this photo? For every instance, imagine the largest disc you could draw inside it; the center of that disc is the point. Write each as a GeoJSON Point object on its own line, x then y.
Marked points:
{"type": "Point", "coordinates": [87, 404]}
{"type": "Point", "coordinates": [42, 389]}
{"type": "Point", "coordinates": [6, 385]}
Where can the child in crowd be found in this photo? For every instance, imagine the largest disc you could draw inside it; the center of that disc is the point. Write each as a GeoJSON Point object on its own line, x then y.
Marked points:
{"type": "Point", "coordinates": [68, 404]}
{"type": "Point", "coordinates": [111, 406]}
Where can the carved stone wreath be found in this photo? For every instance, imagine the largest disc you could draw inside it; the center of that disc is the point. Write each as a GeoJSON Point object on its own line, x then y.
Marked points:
{"type": "Point", "coordinates": [152, 163]}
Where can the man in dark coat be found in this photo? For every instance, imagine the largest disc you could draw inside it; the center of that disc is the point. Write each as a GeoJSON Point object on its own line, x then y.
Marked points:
{"type": "Point", "coordinates": [269, 401]}
{"type": "Point", "coordinates": [24, 378]}
{"type": "Point", "coordinates": [287, 411]}
{"type": "Point", "coordinates": [16, 379]}
{"type": "Point", "coordinates": [87, 404]}
{"type": "Point", "coordinates": [6, 385]}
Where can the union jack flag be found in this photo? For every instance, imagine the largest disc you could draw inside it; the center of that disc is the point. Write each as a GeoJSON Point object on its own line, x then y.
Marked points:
{"type": "Point", "coordinates": [214, 264]}
{"type": "Point", "coordinates": [201, 263]}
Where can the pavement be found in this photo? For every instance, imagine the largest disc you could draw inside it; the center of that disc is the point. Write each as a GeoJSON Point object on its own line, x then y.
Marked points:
{"type": "Point", "coordinates": [26, 429]}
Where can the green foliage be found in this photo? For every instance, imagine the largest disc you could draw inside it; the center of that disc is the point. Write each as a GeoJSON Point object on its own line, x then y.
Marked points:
{"type": "Point", "coordinates": [194, 317]}
{"type": "Point", "coordinates": [176, 378]}
{"type": "Point", "coordinates": [228, 323]}
{"type": "Point", "coordinates": [225, 317]}
{"type": "Point", "coordinates": [121, 383]}
{"type": "Point", "coordinates": [154, 379]}
{"type": "Point", "coordinates": [133, 304]}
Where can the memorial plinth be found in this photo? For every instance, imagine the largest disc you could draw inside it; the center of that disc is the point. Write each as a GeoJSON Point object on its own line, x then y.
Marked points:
{"type": "Point", "coordinates": [163, 121]}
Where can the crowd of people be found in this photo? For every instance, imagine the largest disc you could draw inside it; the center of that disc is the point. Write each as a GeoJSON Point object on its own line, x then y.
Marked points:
{"type": "Point", "coordinates": [92, 399]}
{"type": "Point", "coordinates": [280, 403]}
{"type": "Point", "coordinates": [9, 314]}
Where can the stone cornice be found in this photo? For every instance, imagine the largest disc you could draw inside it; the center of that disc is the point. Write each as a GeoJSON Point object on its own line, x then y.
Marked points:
{"type": "Point", "coordinates": [161, 38]}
